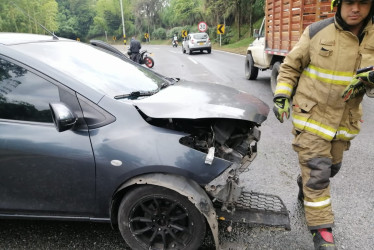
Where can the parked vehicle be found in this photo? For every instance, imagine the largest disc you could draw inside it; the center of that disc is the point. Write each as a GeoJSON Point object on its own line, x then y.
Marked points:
{"type": "Point", "coordinates": [281, 28]}
{"type": "Point", "coordinates": [142, 58]}
{"type": "Point", "coordinates": [86, 134]}
{"type": "Point", "coordinates": [196, 42]}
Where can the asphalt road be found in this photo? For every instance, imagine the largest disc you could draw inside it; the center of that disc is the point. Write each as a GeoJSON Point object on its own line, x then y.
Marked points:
{"type": "Point", "coordinates": [274, 171]}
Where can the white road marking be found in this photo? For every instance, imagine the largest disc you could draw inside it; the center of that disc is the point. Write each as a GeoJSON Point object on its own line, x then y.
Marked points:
{"type": "Point", "coordinates": [192, 60]}
{"type": "Point", "coordinates": [222, 51]}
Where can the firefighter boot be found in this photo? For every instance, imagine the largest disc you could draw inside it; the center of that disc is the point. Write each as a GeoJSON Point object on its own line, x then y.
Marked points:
{"type": "Point", "coordinates": [323, 239]}
{"type": "Point", "coordinates": [300, 196]}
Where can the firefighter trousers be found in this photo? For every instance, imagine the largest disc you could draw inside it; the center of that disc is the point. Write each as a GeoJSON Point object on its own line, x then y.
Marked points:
{"type": "Point", "coordinates": [319, 161]}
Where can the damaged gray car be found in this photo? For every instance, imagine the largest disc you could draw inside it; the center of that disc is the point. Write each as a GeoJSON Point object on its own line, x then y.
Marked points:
{"type": "Point", "coordinates": [85, 134]}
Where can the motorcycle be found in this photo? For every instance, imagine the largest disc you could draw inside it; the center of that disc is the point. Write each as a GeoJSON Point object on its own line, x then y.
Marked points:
{"type": "Point", "coordinates": [174, 43]}
{"type": "Point", "coordinates": [142, 58]}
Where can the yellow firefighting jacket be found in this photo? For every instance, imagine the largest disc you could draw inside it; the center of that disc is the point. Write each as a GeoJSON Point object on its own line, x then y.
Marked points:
{"type": "Point", "coordinates": [316, 72]}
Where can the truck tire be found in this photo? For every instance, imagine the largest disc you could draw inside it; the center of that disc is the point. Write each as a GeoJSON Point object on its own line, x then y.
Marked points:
{"type": "Point", "coordinates": [274, 76]}
{"type": "Point", "coordinates": [251, 72]}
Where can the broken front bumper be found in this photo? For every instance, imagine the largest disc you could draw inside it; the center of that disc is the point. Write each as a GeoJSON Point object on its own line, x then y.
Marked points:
{"type": "Point", "coordinates": [258, 209]}
{"type": "Point", "coordinates": [235, 205]}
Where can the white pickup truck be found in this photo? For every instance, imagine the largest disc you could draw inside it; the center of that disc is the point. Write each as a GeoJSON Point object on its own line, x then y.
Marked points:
{"type": "Point", "coordinates": [283, 24]}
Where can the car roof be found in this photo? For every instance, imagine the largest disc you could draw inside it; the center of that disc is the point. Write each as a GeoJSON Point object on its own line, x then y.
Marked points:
{"type": "Point", "coordinates": [18, 38]}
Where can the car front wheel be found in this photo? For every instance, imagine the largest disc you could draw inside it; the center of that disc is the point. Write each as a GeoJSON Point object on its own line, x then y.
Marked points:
{"type": "Point", "coordinates": [153, 217]}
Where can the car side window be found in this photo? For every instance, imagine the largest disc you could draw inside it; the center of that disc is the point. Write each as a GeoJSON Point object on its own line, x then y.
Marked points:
{"type": "Point", "coordinates": [25, 96]}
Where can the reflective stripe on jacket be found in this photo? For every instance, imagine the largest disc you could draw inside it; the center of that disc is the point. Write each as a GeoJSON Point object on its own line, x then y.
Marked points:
{"type": "Point", "coordinates": [316, 72]}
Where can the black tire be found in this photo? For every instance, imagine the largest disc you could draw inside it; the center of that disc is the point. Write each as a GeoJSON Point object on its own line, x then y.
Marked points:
{"type": "Point", "coordinates": [183, 50]}
{"type": "Point", "coordinates": [148, 61]}
{"type": "Point", "coordinates": [251, 72]}
{"type": "Point", "coordinates": [274, 76]}
{"type": "Point", "coordinates": [153, 217]}
{"type": "Point", "coordinates": [189, 51]}
{"type": "Point", "coordinates": [209, 51]}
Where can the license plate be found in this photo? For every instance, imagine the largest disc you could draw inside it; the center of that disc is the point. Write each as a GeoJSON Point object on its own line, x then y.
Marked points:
{"type": "Point", "coordinates": [201, 43]}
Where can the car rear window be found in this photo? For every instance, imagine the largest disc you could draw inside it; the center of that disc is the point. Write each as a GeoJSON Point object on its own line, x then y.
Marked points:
{"type": "Point", "coordinates": [201, 36]}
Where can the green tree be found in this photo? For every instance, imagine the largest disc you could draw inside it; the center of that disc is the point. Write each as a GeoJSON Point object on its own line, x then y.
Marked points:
{"type": "Point", "coordinates": [148, 14]}
{"type": "Point", "coordinates": [186, 12]}
{"type": "Point", "coordinates": [108, 19]}
{"type": "Point", "coordinates": [28, 16]}
{"type": "Point", "coordinates": [75, 17]}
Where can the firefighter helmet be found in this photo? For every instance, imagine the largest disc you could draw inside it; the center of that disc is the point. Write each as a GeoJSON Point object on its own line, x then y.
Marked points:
{"type": "Point", "coordinates": [334, 3]}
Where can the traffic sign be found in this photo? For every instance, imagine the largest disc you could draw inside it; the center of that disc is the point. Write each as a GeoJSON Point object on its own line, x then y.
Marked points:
{"type": "Point", "coordinates": [184, 33]}
{"type": "Point", "coordinates": [220, 29]}
{"type": "Point", "coordinates": [202, 27]}
{"type": "Point", "coordinates": [146, 35]}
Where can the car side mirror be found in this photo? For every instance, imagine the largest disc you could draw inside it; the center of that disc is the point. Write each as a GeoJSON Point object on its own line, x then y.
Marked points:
{"type": "Point", "coordinates": [256, 33]}
{"type": "Point", "coordinates": [63, 118]}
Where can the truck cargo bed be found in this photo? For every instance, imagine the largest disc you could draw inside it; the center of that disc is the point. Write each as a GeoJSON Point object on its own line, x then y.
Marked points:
{"type": "Point", "coordinates": [285, 21]}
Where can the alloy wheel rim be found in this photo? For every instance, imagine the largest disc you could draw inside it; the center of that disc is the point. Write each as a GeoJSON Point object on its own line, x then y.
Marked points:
{"type": "Point", "coordinates": [161, 223]}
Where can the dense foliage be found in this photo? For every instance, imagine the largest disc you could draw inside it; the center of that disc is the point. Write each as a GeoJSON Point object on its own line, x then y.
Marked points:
{"type": "Point", "coordinates": [85, 19]}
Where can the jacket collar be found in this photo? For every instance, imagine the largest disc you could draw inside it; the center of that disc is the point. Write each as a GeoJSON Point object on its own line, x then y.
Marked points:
{"type": "Point", "coordinates": [341, 25]}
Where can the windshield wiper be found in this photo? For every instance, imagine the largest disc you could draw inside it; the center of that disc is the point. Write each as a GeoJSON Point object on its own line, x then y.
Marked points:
{"type": "Point", "coordinates": [135, 94]}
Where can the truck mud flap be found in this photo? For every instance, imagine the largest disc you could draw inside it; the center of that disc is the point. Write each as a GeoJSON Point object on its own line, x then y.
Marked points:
{"type": "Point", "coordinates": [258, 209]}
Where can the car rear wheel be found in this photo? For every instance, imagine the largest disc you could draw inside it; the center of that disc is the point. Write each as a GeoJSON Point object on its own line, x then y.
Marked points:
{"type": "Point", "coordinates": [153, 217]}
{"type": "Point", "coordinates": [251, 71]}
{"type": "Point", "coordinates": [183, 50]}
{"type": "Point", "coordinates": [189, 51]}
{"type": "Point", "coordinates": [209, 51]}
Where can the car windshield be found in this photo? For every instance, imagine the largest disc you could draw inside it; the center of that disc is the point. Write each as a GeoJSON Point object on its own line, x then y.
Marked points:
{"type": "Point", "coordinates": [201, 36]}
{"type": "Point", "coordinates": [96, 69]}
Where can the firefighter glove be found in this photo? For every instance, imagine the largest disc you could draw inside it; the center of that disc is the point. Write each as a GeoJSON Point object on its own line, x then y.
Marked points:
{"type": "Point", "coordinates": [358, 85]}
{"type": "Point", "coordinates": [367, 78]}
{"type": "Point", "coordinates": [281, 108]}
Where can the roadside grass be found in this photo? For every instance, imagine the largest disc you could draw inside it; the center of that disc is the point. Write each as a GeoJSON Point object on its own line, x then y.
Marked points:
{"type": "Point", "coordinates": [239, 47]}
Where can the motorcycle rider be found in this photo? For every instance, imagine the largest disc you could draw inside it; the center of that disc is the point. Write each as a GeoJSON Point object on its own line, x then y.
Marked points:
{"type": "Point", "coordinates": [175, 40]}
{"type": "Point", "coordinates": [135, 47]}
{"type": "Point", "coordinates": [314, 74]}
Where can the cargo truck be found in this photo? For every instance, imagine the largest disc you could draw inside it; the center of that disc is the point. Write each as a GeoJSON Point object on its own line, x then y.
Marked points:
{"type": "Point", "coordinates": [282, 26]}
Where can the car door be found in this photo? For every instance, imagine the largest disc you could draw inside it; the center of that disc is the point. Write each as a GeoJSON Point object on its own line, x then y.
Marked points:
{"type": "Point", "coordinates": [42, 171]}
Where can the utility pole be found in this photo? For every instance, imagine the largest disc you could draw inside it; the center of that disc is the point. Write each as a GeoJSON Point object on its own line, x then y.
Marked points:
{"type": "Point", "coordinates": [123, 23]}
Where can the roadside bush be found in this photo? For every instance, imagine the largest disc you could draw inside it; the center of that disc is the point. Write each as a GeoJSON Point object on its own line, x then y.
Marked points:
{"type": "Point", "coordinates": [159, 33]}
{"type": "Point", "coordinates": [176, 30]}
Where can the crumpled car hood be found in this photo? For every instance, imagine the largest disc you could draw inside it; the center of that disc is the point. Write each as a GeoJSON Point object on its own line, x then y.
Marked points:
{"type": "Point", "coordinates": [191, 100]}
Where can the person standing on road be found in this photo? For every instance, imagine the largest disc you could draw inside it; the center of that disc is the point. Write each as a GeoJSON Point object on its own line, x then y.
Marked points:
{"type": "Point", "coordinates": [135, 47]}
{"type": "Point", "coordinates": [314, 74]}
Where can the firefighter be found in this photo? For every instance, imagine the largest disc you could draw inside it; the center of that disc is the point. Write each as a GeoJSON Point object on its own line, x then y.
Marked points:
{"type": "Point", "coordinates": [315, 74]}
